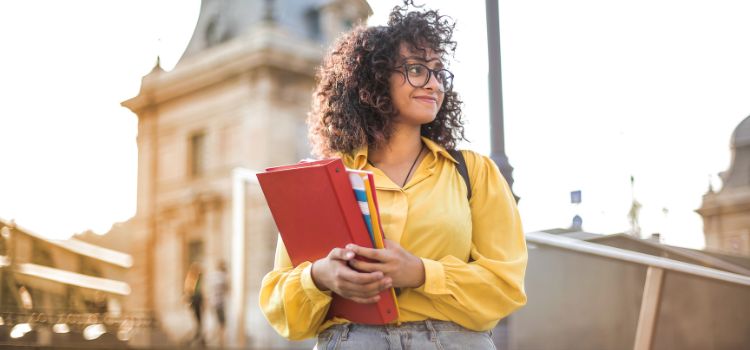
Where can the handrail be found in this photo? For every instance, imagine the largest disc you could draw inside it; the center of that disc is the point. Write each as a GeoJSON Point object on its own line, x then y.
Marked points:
{"type": "Point", "coordinates": [635, 257]}
{"type": "Point", "coordinates": [703, 258]}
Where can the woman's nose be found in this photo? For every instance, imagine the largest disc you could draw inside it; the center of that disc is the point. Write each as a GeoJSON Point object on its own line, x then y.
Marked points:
{"type": "Point", "coordinates": [434, 84]}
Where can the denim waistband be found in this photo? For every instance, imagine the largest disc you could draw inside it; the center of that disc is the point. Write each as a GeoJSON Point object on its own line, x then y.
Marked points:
{"type": "Point", "coordinates": [420, 326]}
{"type": "Point", "coordinates": [394, 334]}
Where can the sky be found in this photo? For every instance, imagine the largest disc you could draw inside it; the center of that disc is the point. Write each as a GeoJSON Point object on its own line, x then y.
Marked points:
{"type": "Point", "coordinates": [594, 92]}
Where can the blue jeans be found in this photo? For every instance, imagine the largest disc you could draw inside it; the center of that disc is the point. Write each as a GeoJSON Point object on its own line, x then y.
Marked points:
{"type": "Point", "coordinates": [429, 334]}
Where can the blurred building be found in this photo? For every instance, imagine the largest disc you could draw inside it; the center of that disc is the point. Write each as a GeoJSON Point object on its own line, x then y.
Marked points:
{"type": "Point", "coordinates": [726, 213]}
{"type": "Point", "coordinates": [44, 282]}
{"type": "Point", "coordinates": [237, 98]}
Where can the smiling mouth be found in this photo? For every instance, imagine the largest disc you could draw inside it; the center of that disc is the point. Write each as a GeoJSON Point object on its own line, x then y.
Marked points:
{"type": "Point", "coordinates": [426, 99]}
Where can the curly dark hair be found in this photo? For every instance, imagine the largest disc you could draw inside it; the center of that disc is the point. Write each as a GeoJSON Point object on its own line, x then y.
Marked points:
{"type": "Point", "coordinates": [352, 104]}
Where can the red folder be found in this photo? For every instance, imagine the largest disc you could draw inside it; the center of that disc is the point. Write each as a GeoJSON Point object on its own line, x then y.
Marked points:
{"type": "Point", "coordinates": [315, 210]}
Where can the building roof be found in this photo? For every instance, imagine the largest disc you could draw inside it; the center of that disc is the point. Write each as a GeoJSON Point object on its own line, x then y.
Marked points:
{"type": "Point", "coordinates": [220, 21]}
{"type": "Point", "coordinates": [572, 233]}
{"type": "Point", "coordinates": [738, 260]}
{"type": "Point", "coordinates": [741, 134]}
{"type": "Point", "coordinates": [692, 256]}
{"type": "Point", "coordinates": [738, 174]}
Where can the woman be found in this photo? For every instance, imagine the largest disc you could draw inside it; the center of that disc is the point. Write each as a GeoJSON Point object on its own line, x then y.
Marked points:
{"type": "Point", "coordinates": [385, 104]}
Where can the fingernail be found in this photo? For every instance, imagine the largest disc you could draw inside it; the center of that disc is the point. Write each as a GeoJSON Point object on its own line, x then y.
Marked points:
{"type": "Point", "coordinates": [349, 255]}
{"type": "Point", "coordinates": [350, 246]}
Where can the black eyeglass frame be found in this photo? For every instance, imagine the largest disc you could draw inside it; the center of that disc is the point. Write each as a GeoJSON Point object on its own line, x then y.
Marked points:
{"type": "Point", "coordinates": [430, 72]}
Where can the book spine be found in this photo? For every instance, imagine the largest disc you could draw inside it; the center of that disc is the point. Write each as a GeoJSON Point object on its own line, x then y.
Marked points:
{"type": "Point", "coordinates": [348, 204]}
{"type": "Point", "coordinates": [386, 306]}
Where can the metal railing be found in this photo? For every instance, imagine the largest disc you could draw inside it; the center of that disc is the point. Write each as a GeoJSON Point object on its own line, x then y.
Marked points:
{"type": "Point", "coordinates": [656, 268]}
{"type": "Point", "coordinates": [635, 257]}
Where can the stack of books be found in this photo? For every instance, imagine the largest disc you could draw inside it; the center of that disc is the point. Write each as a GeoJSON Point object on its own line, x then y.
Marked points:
{"type": "Point", "coordinates": [321, 205]}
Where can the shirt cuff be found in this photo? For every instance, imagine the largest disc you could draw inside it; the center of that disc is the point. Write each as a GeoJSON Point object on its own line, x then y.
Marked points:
{"type": "Point", "coordinates": [311, 290]}
{"type": "Point", "coordinates": [434, 278]}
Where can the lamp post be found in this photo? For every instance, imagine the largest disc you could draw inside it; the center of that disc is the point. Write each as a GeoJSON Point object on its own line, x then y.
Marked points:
{"type": "Point", "coordinates": [497, 133]}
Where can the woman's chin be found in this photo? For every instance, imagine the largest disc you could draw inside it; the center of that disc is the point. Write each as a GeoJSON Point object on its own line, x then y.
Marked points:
{"type": "Point", "coordinates": [428, 119]}
{"type": "Point", "coordinates": [416, 120]}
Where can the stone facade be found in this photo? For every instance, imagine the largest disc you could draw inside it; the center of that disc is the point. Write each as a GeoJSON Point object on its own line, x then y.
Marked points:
{"type": "Point", "coordinates": [238, 98]}
{"type": "Point", "coordinates": [726, 213]}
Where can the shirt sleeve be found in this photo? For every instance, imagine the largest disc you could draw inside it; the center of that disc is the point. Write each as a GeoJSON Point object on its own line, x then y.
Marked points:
{"type": "Point", "coordinates": [478, 293]}
{"type": "Point", "coordinates": [289, 299]}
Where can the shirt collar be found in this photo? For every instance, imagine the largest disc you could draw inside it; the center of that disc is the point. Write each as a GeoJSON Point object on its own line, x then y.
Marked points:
{"type": "Point", "coordinates": [437, 149]}
{"type": "Point", "coordinates": [358, 158]}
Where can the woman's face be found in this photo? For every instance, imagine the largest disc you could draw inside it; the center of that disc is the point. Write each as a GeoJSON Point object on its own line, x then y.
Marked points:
{"type": "Point", "coordinates": [416, 106]}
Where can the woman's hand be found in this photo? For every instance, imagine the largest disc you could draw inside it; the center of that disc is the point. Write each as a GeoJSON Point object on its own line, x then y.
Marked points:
{"type": "Point", "coordinates": [405, 269]}
{"type": "Point", "coordinates": [332, 273]}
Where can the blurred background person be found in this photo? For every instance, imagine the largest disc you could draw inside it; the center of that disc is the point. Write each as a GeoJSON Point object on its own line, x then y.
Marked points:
{"type": "Point", "coordinates": [194, 296]}
{"type": "Point", "coordinates": [218, 289]}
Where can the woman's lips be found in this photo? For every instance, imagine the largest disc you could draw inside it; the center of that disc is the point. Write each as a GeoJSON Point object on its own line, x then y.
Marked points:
{"type": "Point", "coordinates": [425, 99]}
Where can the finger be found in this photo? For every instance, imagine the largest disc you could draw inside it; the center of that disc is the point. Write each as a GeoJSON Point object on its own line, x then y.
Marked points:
{"type": "Point", "coordinates": [348, 289]}
{"type": "Point", "coordinates": [377, 286]}
{"type": "Point", "coordinates": [370, 253]}
{"type": "Point", "coordinates": [364, 266]}
{"type": "Point", "coordinates": [341, 254]}
{"type": "Point", "coordinates": [352, 276]}
{"type": "Point", "coordinates": [364, 290]}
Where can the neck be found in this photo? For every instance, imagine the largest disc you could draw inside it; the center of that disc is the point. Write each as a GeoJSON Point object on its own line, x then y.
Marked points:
{"type": "Point", "coordinates": [404, 144]}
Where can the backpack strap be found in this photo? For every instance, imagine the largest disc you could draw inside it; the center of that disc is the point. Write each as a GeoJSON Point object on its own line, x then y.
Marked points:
{"type": "Point", "coordinates": [461, 167]}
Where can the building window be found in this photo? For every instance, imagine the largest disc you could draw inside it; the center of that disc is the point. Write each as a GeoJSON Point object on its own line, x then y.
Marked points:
{"type": "Point", "coordinates": [197, 154]}
{"type": "Point", "coordinates": [4, 237]}
{"type": "Point", "coordinates": [88, 266]}
{"type": "Point", "coordinates": [348, 24]}
{"type": "Point", "coordinates": [7, 298]}
{"type": "Point", "coordinates": [40, 254]}
{"type": "Point", "coordinates": [195, 252]}
{"type": "Point", "coordinates": [312, 19]}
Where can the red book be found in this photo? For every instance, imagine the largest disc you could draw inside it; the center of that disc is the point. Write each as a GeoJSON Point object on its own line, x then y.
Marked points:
{"type": "Point", "coordinates": [315, 210]}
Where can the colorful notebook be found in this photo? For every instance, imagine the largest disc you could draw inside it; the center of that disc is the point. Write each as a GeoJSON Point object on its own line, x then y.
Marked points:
{"type": "Point", "coordinates": [360, 193]}
{"type": "Point", "coordinates": [372, 212]}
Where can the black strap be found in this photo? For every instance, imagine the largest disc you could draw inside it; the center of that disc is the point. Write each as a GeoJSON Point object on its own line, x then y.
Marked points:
{"type": "Point", "coordinates": [461, 167]}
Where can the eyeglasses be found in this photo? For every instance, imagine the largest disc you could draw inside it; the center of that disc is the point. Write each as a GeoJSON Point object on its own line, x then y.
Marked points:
{"type": "Point", "coordinates": [418, 75]}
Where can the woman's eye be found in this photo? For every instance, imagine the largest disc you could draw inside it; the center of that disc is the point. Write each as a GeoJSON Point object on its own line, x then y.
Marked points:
{"type": "Point", "coordinates": [415, 70]}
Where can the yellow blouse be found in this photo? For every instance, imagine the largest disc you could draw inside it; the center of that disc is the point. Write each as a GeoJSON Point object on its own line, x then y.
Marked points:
{"type": "Point", "coordinates": [474, 253]}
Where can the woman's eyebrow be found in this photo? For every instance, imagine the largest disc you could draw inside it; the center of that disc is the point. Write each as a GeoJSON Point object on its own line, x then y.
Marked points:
{"type": "Point", "coordinates": [422, 59]}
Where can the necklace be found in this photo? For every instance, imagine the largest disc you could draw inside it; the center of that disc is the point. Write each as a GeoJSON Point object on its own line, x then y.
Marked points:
{"type": "Point", "coordinates": [410, 168]}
